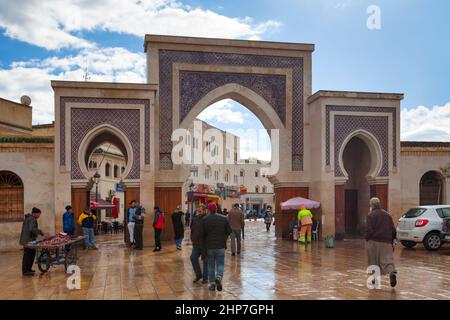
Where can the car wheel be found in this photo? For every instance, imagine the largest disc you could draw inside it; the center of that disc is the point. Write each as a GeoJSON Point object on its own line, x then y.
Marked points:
{"type": "Point", "coordinates": [408, 244]}
{"type": "Point", "coordinates": [432, 241]}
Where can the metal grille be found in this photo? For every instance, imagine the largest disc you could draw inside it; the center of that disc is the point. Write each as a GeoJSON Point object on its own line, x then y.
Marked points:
{"type": "Point", "coordinates": [11, 197]}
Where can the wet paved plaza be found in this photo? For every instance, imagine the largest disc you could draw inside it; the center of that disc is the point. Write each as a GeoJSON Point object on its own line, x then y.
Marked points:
{"type": "Point", "coordinates": [267, 269]}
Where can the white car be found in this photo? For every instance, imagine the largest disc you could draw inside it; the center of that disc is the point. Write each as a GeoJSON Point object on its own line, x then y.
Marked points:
{"type": "Point", "coordinates": [422, 224]}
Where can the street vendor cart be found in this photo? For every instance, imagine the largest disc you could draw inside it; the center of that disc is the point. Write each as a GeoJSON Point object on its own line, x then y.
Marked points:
{"type": "Point", "coordinates": [59, 249]}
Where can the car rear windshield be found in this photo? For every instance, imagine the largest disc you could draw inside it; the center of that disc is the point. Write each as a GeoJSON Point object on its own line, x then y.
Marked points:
{"type": "Point", "coordinates": [443, 212]}
{"type": "Point", "coordinates": [414, 212]}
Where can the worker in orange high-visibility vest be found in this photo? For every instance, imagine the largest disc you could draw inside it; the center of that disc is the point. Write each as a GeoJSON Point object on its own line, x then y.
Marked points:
{"type": "Point", "coordinates": [305, 219]}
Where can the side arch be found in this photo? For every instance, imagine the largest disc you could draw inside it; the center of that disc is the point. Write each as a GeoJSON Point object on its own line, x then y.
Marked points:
{"type": "Point", "coordinates": [102, 134]}
{"type": "Point", "coordinates": [376, 154]}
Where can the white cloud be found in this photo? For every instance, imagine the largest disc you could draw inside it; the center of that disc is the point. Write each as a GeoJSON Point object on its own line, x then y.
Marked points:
{"type": "Point", "coordinates": [222, 112]}
{"type": "Point", "coordinates": [33, 77]}
{"type": "Point", "coordinates": [59, 24]}
{"type": "Point", "coordinates": [426, 124]}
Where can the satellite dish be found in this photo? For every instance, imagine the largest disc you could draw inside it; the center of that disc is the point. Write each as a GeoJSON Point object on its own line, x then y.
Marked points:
{"type": "Point", "coordinates": [26, 100]}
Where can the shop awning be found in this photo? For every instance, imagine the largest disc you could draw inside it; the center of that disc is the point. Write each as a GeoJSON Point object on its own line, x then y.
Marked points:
{"type": "Point", "coordinates": [101, 204]}
{"type": "Point", "coordinates": [200, 195]}
{"type": "Point", "coordinates": [213, 197]}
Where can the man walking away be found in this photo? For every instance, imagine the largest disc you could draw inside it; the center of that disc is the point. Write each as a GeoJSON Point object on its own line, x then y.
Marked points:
{"type": "Point", "coordinates": [216, 231]}
{"type": "Point", "coordinates": [30, 232]}
{"type": "Point", "coordinates": [381, 236]}
{"type": "Point", "coordinates": [198, 245]}
{"type": "Point", "coordinates": [68, 221]}
{"type": "Point", "coordinates": [268, 217]}
{"type": "Point", "coordinates": [236, 221]}
{"type": "Point", "coordinates": [139, 216]}
{"type": "Point", "coordinates": [158, 226]}
{"type": "Point", "coordinates": [178, 227]}
{"type": "Point", "coordinates": [130, 221]}
{"type": "Point", "coordinates": [305, 219]}
{"type": "Point", "coordinates": [86, 221]}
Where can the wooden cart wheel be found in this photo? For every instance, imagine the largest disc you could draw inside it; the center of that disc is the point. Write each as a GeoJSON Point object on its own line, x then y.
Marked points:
{"type": "Point", "coordinates": [44, 261]}
{"type": "Point", "coordinates": [71, 258]}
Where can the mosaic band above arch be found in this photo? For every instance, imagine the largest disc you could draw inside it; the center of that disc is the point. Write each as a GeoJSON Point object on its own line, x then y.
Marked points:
{"type": "Point", "coordinates": [195, 85]}
{"type": "Point", "coordinates": [84, 120]}
{"type": "Point", "coordinates": [376, 125]}
{"type": "Point", "coordinates": [349, 123]}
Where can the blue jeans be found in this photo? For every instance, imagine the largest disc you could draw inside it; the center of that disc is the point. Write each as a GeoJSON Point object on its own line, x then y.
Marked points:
{"type": "Point", "coordinates": [216, 264]}
{"type": "Point", "coordinates": [89, 241]}
{"type": "Point", "coordinates": [195, 255]}
{"type": "Point", "coordinates": [178, 242]}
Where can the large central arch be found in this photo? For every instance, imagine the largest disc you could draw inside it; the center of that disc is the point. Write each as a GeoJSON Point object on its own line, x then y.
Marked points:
{"type": "Point", "coordinates": [271, 79]}
{"type": "Point", "coordinates": [245, 96]}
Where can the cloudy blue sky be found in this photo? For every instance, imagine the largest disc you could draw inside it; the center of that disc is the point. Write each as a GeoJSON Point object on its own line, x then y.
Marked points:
{"type": "Point", "coordinates": [43, 40]}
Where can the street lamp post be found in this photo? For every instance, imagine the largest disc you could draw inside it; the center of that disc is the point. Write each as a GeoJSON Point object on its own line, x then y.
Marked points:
{"type": "Point", "coordinates": [191, 199]}
{"type": "Point", "coordinates": [96, 181]}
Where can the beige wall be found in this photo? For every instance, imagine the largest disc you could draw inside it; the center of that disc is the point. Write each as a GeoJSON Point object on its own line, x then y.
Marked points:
{"type": "Point", "coordinates": [45, 130]}
{"type": "Point", "coordinates": [15, 118]}
{"type": "Point", "coordinates": [415, 162]}
{"type": "Point", "coordinates": [323, 181]}
{"type": "Point", "coordinates": [33, 163]}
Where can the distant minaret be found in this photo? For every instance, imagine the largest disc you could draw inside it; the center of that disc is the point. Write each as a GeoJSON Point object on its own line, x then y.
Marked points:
{"type": "Point", "coordinates": [86, 75]}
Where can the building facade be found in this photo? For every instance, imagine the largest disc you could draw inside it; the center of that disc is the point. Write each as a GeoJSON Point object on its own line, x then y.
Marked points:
{"type": "Point", "coordinates": [339, 148]}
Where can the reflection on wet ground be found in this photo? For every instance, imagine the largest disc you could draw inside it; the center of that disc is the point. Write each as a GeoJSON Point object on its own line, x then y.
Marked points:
{"type": "Point", "coordinates": [267, 269]}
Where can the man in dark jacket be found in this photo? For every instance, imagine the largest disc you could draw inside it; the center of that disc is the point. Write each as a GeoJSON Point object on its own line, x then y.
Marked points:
{"type": "Point", "coordinates": [138, 217]}
{"type": "Point", "coordinates": [178, 227]}
{"type": "Point", "coordinates": [216, 231]}
{"type": "Point", "coordinates": [30, 232]}
{"type": "Point", "coordinates": [198, 245]}
{"type": "Point", "coordinates": [381, 236]}
{"type": "Point", "coordinates": [236, 221]}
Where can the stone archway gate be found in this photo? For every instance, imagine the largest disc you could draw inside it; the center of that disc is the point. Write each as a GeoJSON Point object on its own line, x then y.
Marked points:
{"type": "Point", "coordinates": [186, 75]}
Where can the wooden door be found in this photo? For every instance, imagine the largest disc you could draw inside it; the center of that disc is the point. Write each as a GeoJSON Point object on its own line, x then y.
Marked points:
{"type": "Point", "coordinates": [351, 211]}
{"type": "Point", "coordinates": [11, 204]}
{"type": "Point", "coordinates": [168, 198]}
{"type": "Point", "coordinates": [80, 200]}
{"type": "Point", "coordinates": [11, 197]}
{"type": "Point", "coordinates": [283, 218]}
{"type": "Point", "coordinates": [130, 195]}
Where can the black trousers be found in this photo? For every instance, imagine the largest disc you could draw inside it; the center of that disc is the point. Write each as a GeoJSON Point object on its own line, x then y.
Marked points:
{"type": "Point", "coordinates": [138, 229]}
{"type": "Point", "coordinates": [28, 259]}
{"type": "Point", "coordinates": [158, 238]}
{"type": "Point", "coordinates": [268, 226]}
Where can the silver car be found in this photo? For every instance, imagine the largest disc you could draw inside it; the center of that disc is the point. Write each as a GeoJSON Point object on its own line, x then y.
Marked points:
{"type": "Point", "coordinates": [422, 224]}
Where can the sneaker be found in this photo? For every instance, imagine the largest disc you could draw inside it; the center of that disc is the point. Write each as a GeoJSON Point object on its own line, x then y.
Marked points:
{"type": "Point", "coordinates": [178, 248]}
{"type": "Point", "coordinates": [197, 278]}
{"type": "Point", "coordinates": [219, 283]}
{"type": "Point", "coordinates": [393, 279]}
{"type": "Point", "coordinates": [94, 248]}
{"type": "Point", "coordinates": [212, 287]}
{"type": "Point", "coordinates": [204, 281]}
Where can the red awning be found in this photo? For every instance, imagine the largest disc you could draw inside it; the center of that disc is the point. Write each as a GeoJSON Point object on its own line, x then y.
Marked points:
{"type": "Point", "coordinates": [102, 204]}
{"type": "Point", "coordinates": [200, 195]}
